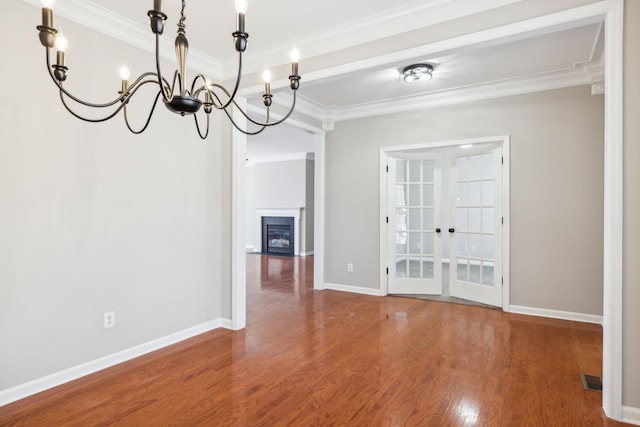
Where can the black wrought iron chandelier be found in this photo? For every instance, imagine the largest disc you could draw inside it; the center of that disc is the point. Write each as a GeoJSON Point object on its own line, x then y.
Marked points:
{"type": "Point", "coordinates": [177, 96]}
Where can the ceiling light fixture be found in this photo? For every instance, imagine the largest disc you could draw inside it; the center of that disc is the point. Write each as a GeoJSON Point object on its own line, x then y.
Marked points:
{"type": "Point", "coordinates": [417, 73]}
{"type": "Point", "coordinates": [178, 97]}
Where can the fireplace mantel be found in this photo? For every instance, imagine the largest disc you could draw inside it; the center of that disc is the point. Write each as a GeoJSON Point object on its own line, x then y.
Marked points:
{"type": "Point", "coordinates": [296, 213]}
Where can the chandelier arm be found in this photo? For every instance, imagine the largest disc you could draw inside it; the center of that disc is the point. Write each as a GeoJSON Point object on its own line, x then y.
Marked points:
{"type": "Point", "coordinates": [293, 105]}
{"type": "Point", "coordinates": [110, 116]}
{"type": "Point", "coordinates": [195, 92]}
{"type": "Point", "coordinates": [126, 117]}
{"type": "Point", "coordinates": [246, 132]}
{"type": "Point", "coordinates": [266, 123]}
{"type": "Point", "coordinates": [232, 97]}
{"type": "Point", "coordinates": [219, 107]}
{"type": "Point", "coordinates": [195, 117]}
{"type": "Point", "coordinates": [120, 98]}
{"type": "Point", "coordinates": [233, 121]}
{"type": "Point", "coordinates": [78, 116]}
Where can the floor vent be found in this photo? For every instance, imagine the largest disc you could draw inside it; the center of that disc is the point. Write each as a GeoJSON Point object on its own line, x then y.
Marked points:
{"type": "Point", "coordinates": [591, 382]}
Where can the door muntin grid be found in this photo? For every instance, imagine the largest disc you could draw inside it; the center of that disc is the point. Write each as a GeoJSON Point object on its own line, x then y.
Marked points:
{"type": "Point", "coordinates": [414, 219]}
{"type": "Point", "coordinates": [476, 219]}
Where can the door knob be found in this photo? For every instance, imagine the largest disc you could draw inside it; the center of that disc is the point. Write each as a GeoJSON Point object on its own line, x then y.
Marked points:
{"type": "Point", "coordinates": [451, 230]}
{"type": "Point", "coordinates": [438, 230]}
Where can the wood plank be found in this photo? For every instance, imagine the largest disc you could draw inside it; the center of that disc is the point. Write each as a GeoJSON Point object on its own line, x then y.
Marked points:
{"type": "Point", "coordinates": [317, 358]}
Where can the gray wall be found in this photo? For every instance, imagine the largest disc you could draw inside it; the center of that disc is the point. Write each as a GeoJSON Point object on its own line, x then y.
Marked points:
{"type": "Point", "coordinates": [631, 266]}
{"type": "Point", "coordinates": [93, 218]}
{"type": "Point", "coordinates": [556, 191]}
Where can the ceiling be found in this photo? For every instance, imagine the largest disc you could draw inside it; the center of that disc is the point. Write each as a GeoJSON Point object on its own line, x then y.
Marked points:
{"type": "Point", "coordinates": [342, 86]}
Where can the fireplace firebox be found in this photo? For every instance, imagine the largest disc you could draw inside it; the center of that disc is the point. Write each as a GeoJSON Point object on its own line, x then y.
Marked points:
{"type": "Point", "coordinates": [278, 235]}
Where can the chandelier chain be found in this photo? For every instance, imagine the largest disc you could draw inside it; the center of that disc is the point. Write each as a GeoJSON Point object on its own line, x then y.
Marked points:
{"type": "Point", "coordinates": [181, 24]}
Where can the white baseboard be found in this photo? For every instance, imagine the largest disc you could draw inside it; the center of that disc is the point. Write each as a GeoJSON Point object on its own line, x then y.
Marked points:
{"type": "Point", "coordinates": [308, 253]}
{"type": "Point", "coordinates": [353, 289]}
{"type": "Point", "coordinates": [58, 378]}
{"type": "Point", "coordinates": [631, 415]}
{"type": "Point", "coordinates": [226, 323]}
{"type": "Point", "coordinates": [556, 314]}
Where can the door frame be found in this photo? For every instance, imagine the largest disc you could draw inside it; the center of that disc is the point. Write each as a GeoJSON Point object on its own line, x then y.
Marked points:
{"type": "Point", "coordinates": [387, 152]}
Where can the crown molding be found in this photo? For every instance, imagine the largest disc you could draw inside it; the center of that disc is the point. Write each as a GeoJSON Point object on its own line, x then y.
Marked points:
{"type": "Point", "coordinates": [368, 29]}
{"type": "Point", "coordinates": [578, 76]}
{"type": "Point", "coordinates": [104, 21]}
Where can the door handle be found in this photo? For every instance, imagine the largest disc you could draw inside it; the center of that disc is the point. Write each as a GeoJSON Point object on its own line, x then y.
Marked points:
{"type": "Point", "coordinates": [438, 230]}
{"type": "Point", "coordinates": [452, 230]}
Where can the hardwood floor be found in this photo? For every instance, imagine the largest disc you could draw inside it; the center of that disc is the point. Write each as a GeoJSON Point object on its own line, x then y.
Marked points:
{"type": "Point", "coordinates": [320, 358]}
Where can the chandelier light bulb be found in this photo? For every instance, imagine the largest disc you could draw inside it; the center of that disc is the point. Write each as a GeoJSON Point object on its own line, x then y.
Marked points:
{"type": "Point", "coordinates": [48, 3]}
{"type": "Point", "coordinates": [295, 56]}
{"type": "Point", "coordinates": [266, 75]}
{"type": "Point", "coordinates": [125, 73]}
{"type": "Point", "coordinates": [62, 44]}
{"type": "Point", "coordinates": [241, 6]}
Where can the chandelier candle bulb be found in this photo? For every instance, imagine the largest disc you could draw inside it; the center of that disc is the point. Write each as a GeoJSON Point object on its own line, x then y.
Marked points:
{"type": "Point", "coordinates": [61, 44]}
{"type": "Point", "coordinates": [208, 105]}
{"type": "Point", "coordinates": [295, 58]}
{"type": "Point", "coordinates": [241, 6]}
{"type": "Point", "coordinates": [266, 77]}
{"type": "Point", "coordinates": [241, 9]}
{"type": "Point", "coordinates": [48, 3]}
{"type": "Point", "coordinates": [124, 75]}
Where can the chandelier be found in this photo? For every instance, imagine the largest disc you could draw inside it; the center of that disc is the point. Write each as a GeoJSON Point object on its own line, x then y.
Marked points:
{"type": "Point", "coordinates": [178, 97]}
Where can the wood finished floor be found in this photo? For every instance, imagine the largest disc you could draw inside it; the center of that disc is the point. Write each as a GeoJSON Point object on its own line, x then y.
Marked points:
{"type": "Point", "coordinates": [322, 358]}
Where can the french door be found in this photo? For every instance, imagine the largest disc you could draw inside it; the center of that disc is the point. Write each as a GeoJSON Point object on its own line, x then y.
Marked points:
{"type": "Point", "coordinates": [445, 214]}
{"type": "Point", "coordinates": [415, 265]}
{"type": "Point", "coordinates": [475, 269]}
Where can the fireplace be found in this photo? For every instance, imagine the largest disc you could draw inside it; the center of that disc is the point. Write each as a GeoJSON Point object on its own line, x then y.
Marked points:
{"type": "Point", "coordinates": [278, 234]}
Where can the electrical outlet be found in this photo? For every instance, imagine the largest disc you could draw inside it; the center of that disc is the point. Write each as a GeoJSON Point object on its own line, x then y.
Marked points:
{"type": "Point", "coordinates": [109, 319]}
{"type": "Point", "coordinates": [350, 267]}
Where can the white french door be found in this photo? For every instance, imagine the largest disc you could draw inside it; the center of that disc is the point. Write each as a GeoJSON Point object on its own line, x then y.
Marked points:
{"type": "Point", "coordinates": [475, 257]}
{"type": "Point", "coordinates": [445, 221]}
{"type": "Point", "coordinates": [415, 266]}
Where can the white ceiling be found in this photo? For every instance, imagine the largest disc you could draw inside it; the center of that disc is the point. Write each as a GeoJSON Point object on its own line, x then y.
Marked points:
{"type": "Point", "coordinates": [323, 30]}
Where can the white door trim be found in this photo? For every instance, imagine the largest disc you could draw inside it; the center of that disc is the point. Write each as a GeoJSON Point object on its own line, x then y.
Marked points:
{"type": "Point", "coordinates": [386, 152]}
{"type": "Point", "coordinates": [613, 212]}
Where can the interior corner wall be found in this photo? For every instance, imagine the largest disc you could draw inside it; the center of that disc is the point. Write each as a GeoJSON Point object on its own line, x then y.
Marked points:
{"type": "Point", "coordinates": [94, 219]}
{"type": "Point", "coordinates": [557, 172]}
{"type": "Point", "coordinates": [309, 206]}
{"type": "Point", "coordinates": [631, 267]}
